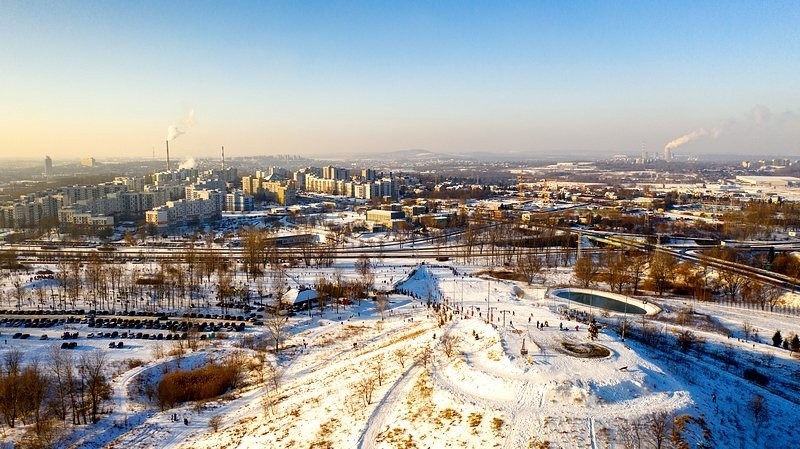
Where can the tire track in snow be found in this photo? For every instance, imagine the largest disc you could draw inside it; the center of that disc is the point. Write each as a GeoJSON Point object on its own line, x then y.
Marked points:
{"type": "Point", "coordinates": [525, 414]}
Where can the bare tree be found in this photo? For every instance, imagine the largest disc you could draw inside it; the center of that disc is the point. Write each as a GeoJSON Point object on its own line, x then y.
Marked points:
{"type": "Point", "coordinates": [363, 267]}
{"type": "Point", "coordinates": [36, 387]}
{"type": "Point", "coordinates": [585, 271]}
{"type": "Point", "coordinates": [379, 368]}
{"type": "Point", "coordinates": [747, 328]}
{"type": "Point", "coordinates": [529, 265]}
{"type": "Point", "coordinates": [619, 271]}
{"type": "Point", "coordinates": [275, 323]}
{"type": "Point", "coordinates": [730, 282]}
{"type": "Point", "coordinates": [758, 406]}
{"type": "Point", "coordinates": [158, 351]}
{"type": "Point", "coordinates": [253, 242]}
{"type": "Point", "coordinates": [278, 284]}
{"type": "Point", "coordinates": [60, 361]}
{"type": "Point", "coordinates": [225, 291]}
{"type": "Point", "coordinates": [773, 297]}
{"type": "Point", "coordinates": [426, 356]}
{"type": "Point", "coordinates": [637, 261]}
{"type": "Point", "coordinates": [382, 304]}
{"type": "Point", "coordinates": [91, 368]}
{"type": "Point", "coordinates": [632, 434]}
{"type": "Point", "coordinates": [450, 345]}
{"type": "Point", "coordinates": [270, 375]}
{"type": "Point", "coordinates": [401, 354]}
{"type": "Point", "coordinates": [365, 386]}
{"type": "Point", "coordinates": [193, 337]}
{"type": "Point", "coordinates": [662, 268]}
{"type": "Point", "coordinates": [657, 426]}
{"type": "Point", "coordinates": [11, 394]}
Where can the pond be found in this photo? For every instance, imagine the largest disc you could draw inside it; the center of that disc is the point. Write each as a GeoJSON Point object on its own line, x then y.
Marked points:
{"type": "Point", "coordinates": [601, 302]}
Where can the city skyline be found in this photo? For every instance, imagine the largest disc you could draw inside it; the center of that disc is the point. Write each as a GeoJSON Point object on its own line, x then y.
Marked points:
{"type": "Point", "coordinates": [109, 79]}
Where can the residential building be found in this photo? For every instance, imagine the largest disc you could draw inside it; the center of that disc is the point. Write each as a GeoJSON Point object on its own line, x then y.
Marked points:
{"type": "Point", "coordinates": [237, 201]}
{"type": "Point", "coordinates": [48, 167]}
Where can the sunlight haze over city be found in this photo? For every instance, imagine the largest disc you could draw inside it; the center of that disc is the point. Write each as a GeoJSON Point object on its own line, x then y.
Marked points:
{"type": "Point", "coordinates": [108, 79]}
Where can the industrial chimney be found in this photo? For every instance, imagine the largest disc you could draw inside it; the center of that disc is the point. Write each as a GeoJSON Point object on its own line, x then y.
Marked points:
{"type": "Point", "coordinates": [167, 155]}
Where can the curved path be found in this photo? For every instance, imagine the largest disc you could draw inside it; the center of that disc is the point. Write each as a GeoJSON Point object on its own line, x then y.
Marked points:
{"type": "Point", "coordinates": [383, 411]}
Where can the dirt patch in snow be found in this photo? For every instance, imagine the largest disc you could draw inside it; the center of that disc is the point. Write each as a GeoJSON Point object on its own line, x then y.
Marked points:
{"type": "Point", "coordinates": [585, 350]}
{"type": "Point", "coordinates": [506, 275]}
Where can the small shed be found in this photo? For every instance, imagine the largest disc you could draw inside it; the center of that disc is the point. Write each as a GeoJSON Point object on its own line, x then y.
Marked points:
{"type": "Point", "coordinates": [298, 299]}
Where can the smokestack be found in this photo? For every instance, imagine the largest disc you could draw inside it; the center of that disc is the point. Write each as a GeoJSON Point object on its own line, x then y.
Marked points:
{"type": "Point", "coordinates": [223, 157]}
{"type": "Point", "coordinates": [167, 155]}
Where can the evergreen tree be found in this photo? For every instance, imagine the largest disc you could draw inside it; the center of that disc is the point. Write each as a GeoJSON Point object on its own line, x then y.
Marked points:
{"type": "Point", "coordinates": [777, 339]}
{"type": "Point", "coordinates": [794, 345]}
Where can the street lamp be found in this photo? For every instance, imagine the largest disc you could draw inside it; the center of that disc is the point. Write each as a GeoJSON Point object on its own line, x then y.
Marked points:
{"type": "Point", "coordinates": [488, 288]}
{"type": "Point", "coordinates": [625, 319]}
{"type": "Point", "coordinates": [504, 312]}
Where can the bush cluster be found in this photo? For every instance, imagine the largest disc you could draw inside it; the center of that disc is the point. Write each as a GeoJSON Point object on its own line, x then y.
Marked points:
{"type": "Point", "coordinates": [202, 383]}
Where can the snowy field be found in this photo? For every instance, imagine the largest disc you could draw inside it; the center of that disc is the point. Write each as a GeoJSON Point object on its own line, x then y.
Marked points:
{"type": "Point", "coordinates": [437, 377]}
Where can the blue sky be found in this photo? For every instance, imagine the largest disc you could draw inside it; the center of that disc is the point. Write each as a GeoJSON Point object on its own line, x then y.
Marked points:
{"type": "Point", "coordinates": [108, 78]}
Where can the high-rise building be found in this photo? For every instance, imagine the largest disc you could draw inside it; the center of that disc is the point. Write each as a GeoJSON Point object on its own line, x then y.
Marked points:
{"type": "Point", "coordinates": [48, 167]}
{"type": "Point", "coordinates": [368, 174]}
{"type": "Point", "coordinates": [331, 172]}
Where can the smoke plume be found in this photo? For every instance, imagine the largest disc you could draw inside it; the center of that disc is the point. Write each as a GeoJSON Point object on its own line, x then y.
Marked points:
{"type": "Point", "coordinates": [686, 138]}
{"type": "Point", "coordinates": [175, 131]}
{"type": "Point", "coordinates": [187, 163]}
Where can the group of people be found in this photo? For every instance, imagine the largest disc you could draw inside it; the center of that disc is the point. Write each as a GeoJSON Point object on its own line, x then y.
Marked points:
{"type": "Point", "coordinates": [542, 325]}
{"type": "Point", "coordinates": [174, 418]}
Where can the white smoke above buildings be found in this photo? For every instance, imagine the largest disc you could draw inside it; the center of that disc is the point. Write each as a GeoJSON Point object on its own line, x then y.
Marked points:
{"type": "Point", "coordinates": [175, 131]}
{"type": "Point", "coordinates": [187, 163]}
{"type": "Point", "coordinates": [684, 139]}
{"type": "Point", "coordinates": [759, 127]}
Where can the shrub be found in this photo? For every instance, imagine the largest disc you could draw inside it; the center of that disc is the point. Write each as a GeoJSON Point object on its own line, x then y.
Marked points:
{"type": "Point", "coordinates": [215, 422]}
{"type": "Point", "coordinates": [687, 340]}
{"type": "Point", "coordinates": [134, 363]}
{"type": "Point", "coordinates": [756, 377]}
{"type": "Point", "coordinates": [202, 383]}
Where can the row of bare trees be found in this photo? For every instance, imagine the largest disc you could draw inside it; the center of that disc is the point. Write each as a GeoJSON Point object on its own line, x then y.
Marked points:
{"type": "Point", "coordinates": [261, 250]}
{"type": "Point", "coordinates": [628, 270]}
{"type": "Point", "coordinates": [623, 270]}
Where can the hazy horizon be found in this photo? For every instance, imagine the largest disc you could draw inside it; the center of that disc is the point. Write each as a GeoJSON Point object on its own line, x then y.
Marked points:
{"type": "Point", "coordinates": [109, 79]}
